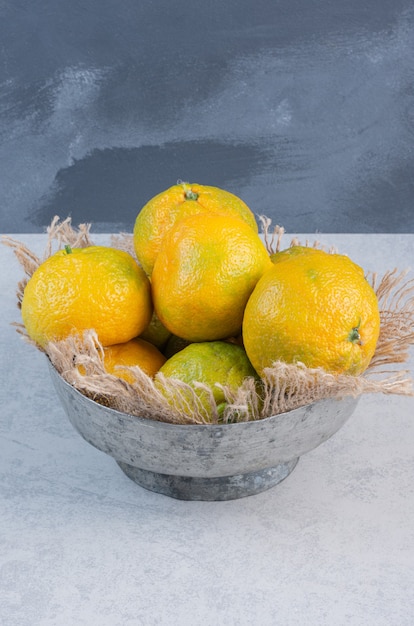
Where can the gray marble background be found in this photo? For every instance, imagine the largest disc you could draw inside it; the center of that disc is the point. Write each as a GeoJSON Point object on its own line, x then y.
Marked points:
{"type": "Point", "coordinates": [304, 108]}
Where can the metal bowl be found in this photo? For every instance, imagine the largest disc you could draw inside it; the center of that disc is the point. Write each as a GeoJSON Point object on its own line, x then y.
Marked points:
{"type": "Point", "coordinates": [204, 462]}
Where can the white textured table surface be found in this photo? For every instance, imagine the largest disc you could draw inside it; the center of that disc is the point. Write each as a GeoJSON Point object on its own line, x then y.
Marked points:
{"type": "Point", "coordinates": [81, 544]}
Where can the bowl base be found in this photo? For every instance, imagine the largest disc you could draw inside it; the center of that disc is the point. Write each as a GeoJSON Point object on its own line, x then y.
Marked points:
{"type": "Point", "coordinates": [216, 488]}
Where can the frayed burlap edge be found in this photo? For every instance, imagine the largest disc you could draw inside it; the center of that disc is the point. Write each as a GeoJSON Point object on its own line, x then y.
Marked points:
{"type": "Point", "coordinates": [283, 387]}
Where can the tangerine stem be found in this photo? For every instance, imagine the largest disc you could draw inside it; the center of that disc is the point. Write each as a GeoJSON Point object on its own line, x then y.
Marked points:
{"type": "Point", "coordinates": [191, 195]}
{"type": "Point", "coordinates": [354, 335]}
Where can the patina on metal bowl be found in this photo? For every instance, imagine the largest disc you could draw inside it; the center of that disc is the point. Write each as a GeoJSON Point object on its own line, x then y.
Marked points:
{"type": "Point", "coordinates": [204, 462]}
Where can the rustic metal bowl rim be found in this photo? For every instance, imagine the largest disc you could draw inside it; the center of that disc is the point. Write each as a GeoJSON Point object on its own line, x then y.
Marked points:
{"type": "Point", "coordinates": [168, 425]}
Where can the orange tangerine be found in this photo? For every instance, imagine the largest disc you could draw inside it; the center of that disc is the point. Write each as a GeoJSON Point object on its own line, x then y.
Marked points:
{"type": "Point", "coordinates": [136, 352]}
{"type": "Point", "coordinates": [163, 210]}
{"type": "Point", "coordinates": [77, 289]}
{"type": "Point", "coordinates": [204, 274]}
{"type": "Point", "coordinates": [316, 308]}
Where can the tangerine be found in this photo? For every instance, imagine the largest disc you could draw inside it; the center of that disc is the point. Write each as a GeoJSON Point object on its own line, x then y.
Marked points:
{"type": "Point", "coordinates": [316, 308]}
{"type": "Point", "coordinates": [76, 289]}
{"type": "Point", "coordinates": [160, 213]}
{"type": "Point", "coordinates": [156, 333]}
{"type": "Point", "coordinates": [136, 352]}
{"type": "Point", "coordinates": [213, 363]}
{"type": "Point", "coordinates": [204, 274]}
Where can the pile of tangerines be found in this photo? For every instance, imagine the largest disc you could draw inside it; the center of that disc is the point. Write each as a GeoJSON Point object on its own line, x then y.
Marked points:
{"type": "Point", "coordinates": [204, 301]}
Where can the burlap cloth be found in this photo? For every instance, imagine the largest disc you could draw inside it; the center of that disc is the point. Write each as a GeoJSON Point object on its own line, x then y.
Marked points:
{"type": "Point", "coordinates": [284, 387]}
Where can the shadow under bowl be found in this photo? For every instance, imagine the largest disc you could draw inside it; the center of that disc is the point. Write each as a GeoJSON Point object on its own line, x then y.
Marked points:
{"type": "Point", "coordinates": [204, 462]}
